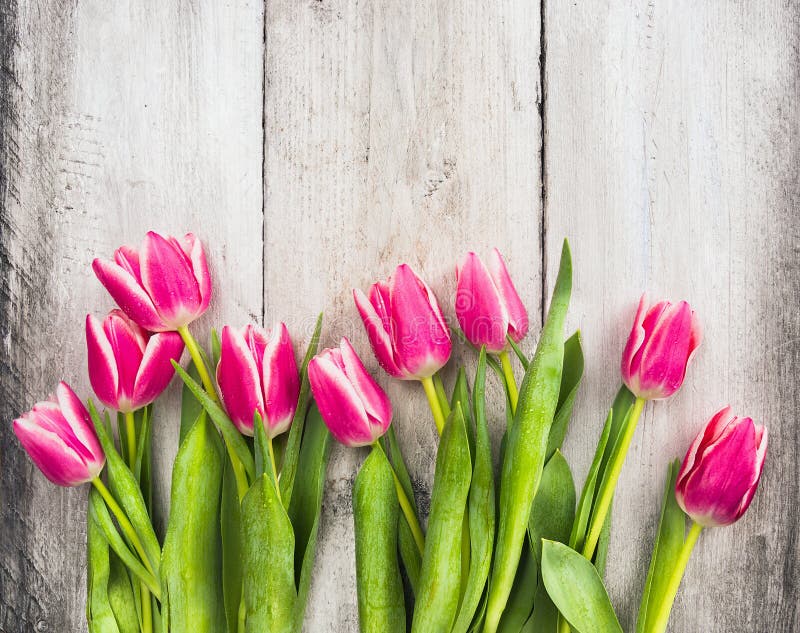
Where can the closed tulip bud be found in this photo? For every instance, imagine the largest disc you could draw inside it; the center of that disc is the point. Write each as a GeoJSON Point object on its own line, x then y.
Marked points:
{"type": "Point", "coordinates": [405, 325]}
{"type": "Point", "coordinates": [128, 366]}
{"type": "Point", "coordinates": [163, 286]}
{"type": "Point", "coordinates": [257, 372]}
{"type": "Point", "coordinates": [661, 344]}
{"type": "Point", "coordinates": [720, 473]}
{"type": "Point", "coordinates": [59, 437]}
{"type": "Point", "coordinates": [354, 407]}
{"type": "Point", "coordinates": [487, 304]}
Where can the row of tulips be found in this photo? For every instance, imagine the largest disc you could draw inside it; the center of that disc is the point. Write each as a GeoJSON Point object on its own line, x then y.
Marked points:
{"type": "Point", "coordinates": [518, 550]}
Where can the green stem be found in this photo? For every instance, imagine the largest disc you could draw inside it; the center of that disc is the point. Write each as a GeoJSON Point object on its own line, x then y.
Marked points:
{"type": "Point", "coordinates": [511, 383]}
{"type": "Point", "coordinates": [405, 505]}
{"type": "Point", "coordinates": [442, 394]}
{"type": "Point", "coordinates": [197, 359]}
{"type": "Point", "coordinates": [123, 521]}
{"type": "Point", "coordinates": [607, 491]}
{"type": "Point", "coordinates": [147, 611]}
{"type": "Point", "coordinates": [563, 625]}
{"type": "Point", "coordinates": [130, 433]}
{"type": "Point", "coordinates": [271, 452]}
{"type": "Point", "coordinates": [433, 401]}
{"type": "Point", "coordinates": [666, 601]}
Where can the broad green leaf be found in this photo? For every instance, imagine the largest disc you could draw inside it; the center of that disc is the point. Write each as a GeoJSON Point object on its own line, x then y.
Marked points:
{"type": "Point", "coordinates": [220, 419]}
{"type": "Point", "coordinates": [545, 615]}
{"type": "Point", "coordinates": [190, 405]}
{"type": "Point", "coordinates": [122, 596]}
{"type": "Point", "coordinates": [553, 511]}
{"type": "Point", "coordinates": [461, 394]}
{"type": "Point", "coordinates": [192, 559]}
{"type": "Point", "coordinates": [261, 450]}
{"type": "Point", "coordinates": [520, 600]}
{"type": "Point", "coordinates": [268, 561]}
{"type": "Point", "coordinates": [291, 455]}
{"type": "Point", "coordinates": [527, 445]}
{"type": "Point", "coordinates": [306, 505]}
{"type": "Point", "coordinates": [570, 381]}
{"type": "Point", "coordinates": [375, 515]}
{"type": "Point", "coordinates": [99, 614]}
{"type": "Point", "coordinates": [481, 506]}
{"type": "Point", "coordinates": [440, 577]}
{"type": "Point", "coordinates": [577, 590]}
{"type": "Point", "coordinates": [666, 550]}
{"type": "Point", "coordinates": [230, 531]}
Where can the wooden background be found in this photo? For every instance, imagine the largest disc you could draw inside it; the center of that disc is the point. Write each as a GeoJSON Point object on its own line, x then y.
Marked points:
{"type": "Point", "coordinates": [315, 144]}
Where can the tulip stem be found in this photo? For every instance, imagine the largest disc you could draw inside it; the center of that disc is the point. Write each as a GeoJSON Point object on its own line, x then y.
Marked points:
{"type": "Point", "coordinates": [405, 505]}
{"type": "Point", "coordinates": [123, 521]}
{"type": "Point", "coordinates": [130, 433]}
{"type": "Point", "coordinates": [511, 383]}
{"type": "Point", "coordinates": [271, 452]}
{"type": "Point", "coordinates": [668, 598]}
{"type": "Point", "coordinates": [609, 482]}
{"type": "Point", "coordinates": [197, 359]}
{"type": "Point", "coordinates": [147, 611]}
{"type": "Point", "coordinates": [433, 401]}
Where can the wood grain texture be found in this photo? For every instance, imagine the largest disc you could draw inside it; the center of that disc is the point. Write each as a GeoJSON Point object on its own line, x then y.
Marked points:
{"type": "Point", "coordinates": [395, 132]}
{"type": "Point", "coordinates": [116, 120]}
{"type": "Point", "coordinates": [672, 148]}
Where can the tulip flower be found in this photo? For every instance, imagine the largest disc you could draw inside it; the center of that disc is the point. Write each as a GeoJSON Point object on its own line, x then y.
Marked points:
{"type": "Point", "coordinates": [720, 472]}
{"type": "Point", "coordinates": [257, 372]}
{"type": "Point", "coordinates": [163, 286]}
{"type": "Point", "coordinates": [661, 344]}
{"type": "Point", "coordinates": [490, 311]}
{"type": "Point", "coordinates": [128, 366]}
{"type": "Point", "coordinates": [59, 437]}
{"type": "Point", "coordinates": [407, 330]}
{"type": "Point", "coordinates": [354, 407]}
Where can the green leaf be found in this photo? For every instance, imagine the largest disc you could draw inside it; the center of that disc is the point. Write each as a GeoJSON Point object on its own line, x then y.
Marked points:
{"type": "Point", "coordinates": [142, 467]}
{"type": "Point", "coordinates": [481, 506]}
{"type": "Point", "coordinates": [523, 360]}
{"type": "Point", "coordinates": [126, 490]}
{"type": "Point", "coordinates": [440, 577]}
{"type": "Point", "coordinates": [192, 559]}
{"type": "Point", "coordinates": [289, 467]}
{"type": "Point", "coordinates": [622, 407]}
{"type": "Point", "coordinates": [601, 554]}
{"type": "Point", "coordinates": [268, 561]}
{"type": "Point", "coordinates": [230, 526]}
{"type": "Point", "coordinates": [577, 590]}
{"type": "Point", "coordinates": [99, 614]}
{"type": "Point", "coordinates": [375, 515]}
{"type": "Point", "coordinates": [666, 550]}
{"type": "Point", "coordinates": [216, 349]}
{"type": "Point", "coordinates": [261, 450]}
{"type": "Point", "coordinates": [461, 394]}
{"type": "Point", "coordinates": [545, 615]}
{"type": "Point", "coordinates": [570, 381]}
{"type": "Point", "coordinates": [220, 419]}
{"type": "Point", "coordinates": [527, 444]}
{"type": "Point", "coordinates": [122, 596]}
{"type": "Point", "coordinates": [553, 511]}
{"type": "Point", "coordinates": [520, 600]}
{"type": "Point", "coordinates": [190, 405]}
{"type": "Point", "coordinates": [306, 505]}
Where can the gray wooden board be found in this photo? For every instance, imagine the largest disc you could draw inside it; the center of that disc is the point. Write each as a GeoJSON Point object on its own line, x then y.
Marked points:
{"type": "Point", "coordinates": [315, 145]}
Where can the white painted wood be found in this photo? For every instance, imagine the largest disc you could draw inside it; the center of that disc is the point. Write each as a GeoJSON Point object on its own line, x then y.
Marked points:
{"type": "Point", "coordinates": [395, 132]}
{"type": "Point", "coordinates": [124, 117]}
{"type": "Point", "coordinates": [671, 160]}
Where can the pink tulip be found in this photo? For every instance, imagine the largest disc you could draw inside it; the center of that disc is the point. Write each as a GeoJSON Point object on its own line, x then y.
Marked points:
{"type": "Point", "coordinates": [720, 473]}
{"type": "Point", "coordinates": [128, 366]}
{"type": "Point", "coordinates": [659, 348]}
{"type": "Point", "coordinates": [257, 371]}
{"type": "Point", "coordinates": [59, 437]}
{"type": "Point", "coordinates": [487, 304]}
{"type": "Point", "coordinates": [405, 325]}
{"type": "Point", "coordinates": [355, 409]}
{"type": "Point", "coordinates": [163, 286]}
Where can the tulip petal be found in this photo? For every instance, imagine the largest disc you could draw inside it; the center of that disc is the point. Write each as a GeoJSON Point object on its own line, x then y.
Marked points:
{"type": "Point", "coordinates": [129, 295]}
{"type": "Point", "coordinates": [517, 314]}
{"type": "Point", "coordinates": [338, 402]}
{"type": "Point", "coordinates": [280, 381]}
{"type": "Point", "coordinates": [57, 461]}
{"type": "Point", "coordinates": [128, 258]}
{"type": "Point", "coordinates": [710, 434]}
{"type": "Point", "coordinates": [376, 402]}
{"type": "Point", "coordinates": [80, 424]}
{"type": "Point", "coordinates": [155, 370]}
{"type": "Point", "coordinates": [128, 341]}
{"type": "Point", "coordinates": [239, 381]}
{"type": "Point", "coordinates": [480, 309]}
{"type": "Point", "coordinates": [102, 364]}
{"type": "Point", "coordinates": [193, 249]}
{"type": "Point", "coordinates": [379, 337]}
{"type": "Point", "coordinates": [168, 277]}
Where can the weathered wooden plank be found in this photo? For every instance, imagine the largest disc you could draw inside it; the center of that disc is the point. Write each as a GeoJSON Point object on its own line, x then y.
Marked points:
{"type": "Point", "coordinates": [116, 119]}
{"type": "Point", "coordinates": [394, 132]}
{"type": "Point", "coordinates": [671, 162]}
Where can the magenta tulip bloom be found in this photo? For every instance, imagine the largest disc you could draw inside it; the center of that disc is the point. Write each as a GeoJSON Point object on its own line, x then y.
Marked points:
{"type": "Point", "coordinates": [59, 437]}
{"type": "Point", "coordinates": [257, 371]}
{"type": "Point", "coordinates": [720, 473]}
{"type": "Point", "coordinates": [163, 286]}
{"type": "Point", "coordinates": [487, 304]}
{"type": "Point", "coordinates": [128, 366]}
{"type": "Point", "coordinates": [659, 348]}
{"type": "Point", "coordinates": [405, 325]}
{"type": "Point", "coordinates": [354, 407]}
